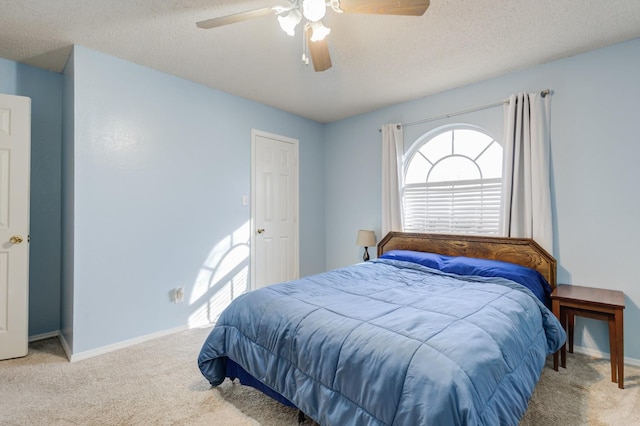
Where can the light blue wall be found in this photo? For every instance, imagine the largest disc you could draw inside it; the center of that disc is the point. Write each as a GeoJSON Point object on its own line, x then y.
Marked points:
{"type": "Point", "coordinates": [595, 173]}
{"type": "Point", "coordinates": [161, 165]}
{"type": "Point", "coordinates": [45, 90]}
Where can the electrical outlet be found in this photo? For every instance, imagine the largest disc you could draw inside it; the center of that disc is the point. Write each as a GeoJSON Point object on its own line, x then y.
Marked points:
{"type": "Point", "coordinates": [177, 295]}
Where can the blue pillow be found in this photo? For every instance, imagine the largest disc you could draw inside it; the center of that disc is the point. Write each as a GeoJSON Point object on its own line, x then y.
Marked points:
{"type": "Point", "coordinates": [528, 277]}
{"type": "Point", "coordinates": [461, 265]}
{"type": "Point", "coordinates": [430, 260]}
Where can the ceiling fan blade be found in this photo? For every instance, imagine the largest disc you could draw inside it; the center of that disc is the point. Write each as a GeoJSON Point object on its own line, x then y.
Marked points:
{"type": "Point", "coordinates": [386, 7]}
{"type": "Point", "coordinates": [319, 52]}
{"type": "Point", "coordinates": [236, 17]}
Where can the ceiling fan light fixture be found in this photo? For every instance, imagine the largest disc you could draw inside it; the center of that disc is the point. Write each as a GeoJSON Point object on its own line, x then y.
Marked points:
{"type": "Point", "coordinates": [319, 31]}
{"type": "Point", "coordinates": [314, 45]}
{"type": "Point", "coordinates": [290, 21]}
{"type": "Point", "coordinates": [314, 10]}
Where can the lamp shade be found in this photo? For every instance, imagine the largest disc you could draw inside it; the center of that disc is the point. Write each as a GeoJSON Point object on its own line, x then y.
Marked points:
{"type": "Point", "coordinates": [289, 22]}
{"type": "Point", "coordinates": [319, 31]}
{"type": "Point", "coordinates": [366, 238]}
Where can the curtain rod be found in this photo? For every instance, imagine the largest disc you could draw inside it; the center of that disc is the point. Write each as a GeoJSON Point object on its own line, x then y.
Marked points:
{"type": "Point", "coordinates": [543, 93]}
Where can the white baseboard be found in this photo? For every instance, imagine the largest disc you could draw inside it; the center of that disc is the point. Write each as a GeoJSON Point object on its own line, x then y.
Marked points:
{"type": "Point", "coordinates": [126, 343]}
{"type": "Point", "coordinates": [65, 345]}
{"type": "Point", "coordinates": [43, 336]}
{"type": "Point", "coordinates": [104, 349]}
{"type": "Point", "coordinates": [120, 345]}
{"type": "Point", "coordinates": [598, 354]}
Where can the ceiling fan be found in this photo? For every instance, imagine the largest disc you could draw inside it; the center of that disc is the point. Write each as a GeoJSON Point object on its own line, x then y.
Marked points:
{"type": "Point", "coordinates": [312, 12]}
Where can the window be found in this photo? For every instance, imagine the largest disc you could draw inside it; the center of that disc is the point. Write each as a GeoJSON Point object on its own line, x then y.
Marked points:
{"type": "Point", "coordinates": [453, 182]}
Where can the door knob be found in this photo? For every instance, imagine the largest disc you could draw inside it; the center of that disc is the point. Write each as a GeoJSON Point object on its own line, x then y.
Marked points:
{"type": "Point", "coordinates": [260, 230]}
{"type": "Point", "coordinates": [16, 239]}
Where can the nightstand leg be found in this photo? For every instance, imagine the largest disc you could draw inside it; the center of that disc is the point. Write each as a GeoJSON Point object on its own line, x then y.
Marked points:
{"type": "Point", "coordinates": [563, 351]}
{"type": "Point", "coordinates": [613, 349]}
{"type": "Point", "coordinates": [571, 321]}
{"type": "Point", "coordinates": [620, 346]}
{"type": "Point", "coordinates": [555, 306]}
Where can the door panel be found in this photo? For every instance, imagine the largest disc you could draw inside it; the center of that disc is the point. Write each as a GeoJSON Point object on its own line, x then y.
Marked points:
{"type": "Point", "coordinates": [15, 146]}
{"type": "Point", "coordinates": [4, 291]}
{"type": "Point", "coordinates": [274, 209]}
{"type": "Point", "coordinates": [4, 188]}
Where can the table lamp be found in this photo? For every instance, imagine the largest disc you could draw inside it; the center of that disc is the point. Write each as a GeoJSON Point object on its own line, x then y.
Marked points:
{"type": "Point", "coordinates": [366, 239]}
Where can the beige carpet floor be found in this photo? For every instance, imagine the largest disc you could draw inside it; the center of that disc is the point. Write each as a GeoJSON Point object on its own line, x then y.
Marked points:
{"type": "Point", "coordinates": [158, 383]}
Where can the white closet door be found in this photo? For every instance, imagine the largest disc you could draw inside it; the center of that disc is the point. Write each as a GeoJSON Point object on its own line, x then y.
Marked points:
{"type": "Point", "coordinates": [15, 148]}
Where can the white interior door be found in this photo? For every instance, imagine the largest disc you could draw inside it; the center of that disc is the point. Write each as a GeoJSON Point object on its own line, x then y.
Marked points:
{"type": "Point", "coordinates": [274, 209]}
{"type": "Point", "coordinates": [15, 149]}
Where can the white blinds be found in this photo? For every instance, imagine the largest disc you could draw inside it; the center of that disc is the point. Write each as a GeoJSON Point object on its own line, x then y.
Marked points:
{"type": "Point", "coordinates": [462, 207]}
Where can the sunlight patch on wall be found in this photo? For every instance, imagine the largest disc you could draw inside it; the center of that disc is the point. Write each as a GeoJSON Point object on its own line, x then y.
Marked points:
{"type": "Point", "coordinates": [223, 277]}
{"type": "Point", "coordinates": [210, 310]}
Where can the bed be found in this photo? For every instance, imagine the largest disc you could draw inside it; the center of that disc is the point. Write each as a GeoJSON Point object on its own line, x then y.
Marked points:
{"type": "Point", "coordinates": [427, 333]}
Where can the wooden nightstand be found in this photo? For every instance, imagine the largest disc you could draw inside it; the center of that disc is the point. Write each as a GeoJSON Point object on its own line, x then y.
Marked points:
{"type": "Point", "coordinates": [596, 303]}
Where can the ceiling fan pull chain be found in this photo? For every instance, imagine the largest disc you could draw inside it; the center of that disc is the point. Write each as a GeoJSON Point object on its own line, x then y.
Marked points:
{"type": "Point", "coordinates": [305, 49]}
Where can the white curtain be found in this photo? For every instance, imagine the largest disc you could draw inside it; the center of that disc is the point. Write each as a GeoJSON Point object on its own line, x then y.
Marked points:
{"type": "Point", "coordinates": [392, 151]}
{"type": "Point", "coordinates": [527, 194]}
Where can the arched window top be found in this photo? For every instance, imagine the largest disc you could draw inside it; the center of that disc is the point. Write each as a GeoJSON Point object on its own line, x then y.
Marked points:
{"type": "Point", "coordinates": [456, 140]}
{"type": "Point", "coordinates": [453, 182]}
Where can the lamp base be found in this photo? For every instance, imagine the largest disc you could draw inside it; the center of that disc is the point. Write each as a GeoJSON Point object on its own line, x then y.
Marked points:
{"type": "Point", "coordinates": [365, 257]}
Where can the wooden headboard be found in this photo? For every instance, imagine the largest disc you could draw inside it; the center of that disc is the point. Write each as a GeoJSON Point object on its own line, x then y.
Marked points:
{"type": "Point", "coordinates": [523, 251]}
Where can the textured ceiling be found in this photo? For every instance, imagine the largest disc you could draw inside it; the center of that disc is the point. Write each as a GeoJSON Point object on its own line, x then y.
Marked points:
{"type": "Point", "coordinates": [377, 60]}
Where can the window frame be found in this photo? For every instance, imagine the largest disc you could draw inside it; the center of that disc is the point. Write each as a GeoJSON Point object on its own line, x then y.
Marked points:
{"type": "Point", "coordinates": [426, 138]}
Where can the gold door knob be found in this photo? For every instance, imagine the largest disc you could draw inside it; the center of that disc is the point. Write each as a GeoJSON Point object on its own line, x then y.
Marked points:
{"type": "Point", "coordinates": [260, 230]}
{"type": "Point", "coordinates": [16, 239]}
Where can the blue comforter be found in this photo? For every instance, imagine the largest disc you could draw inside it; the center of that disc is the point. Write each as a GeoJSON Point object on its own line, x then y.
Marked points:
{"type": "Point", "coordinates": [388, 342]}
